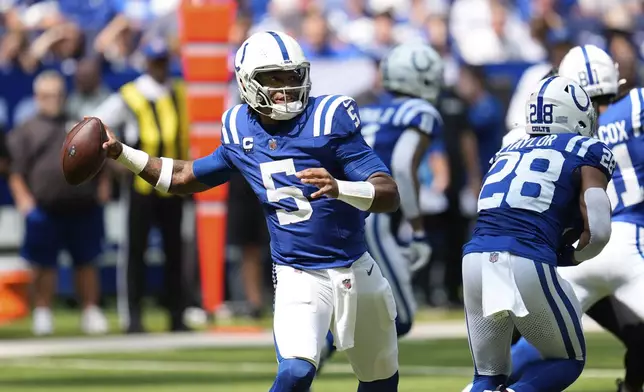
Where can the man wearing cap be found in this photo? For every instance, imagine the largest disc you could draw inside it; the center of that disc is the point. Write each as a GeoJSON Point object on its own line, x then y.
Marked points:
{"type": "Point", "coordinates": [149, 113]}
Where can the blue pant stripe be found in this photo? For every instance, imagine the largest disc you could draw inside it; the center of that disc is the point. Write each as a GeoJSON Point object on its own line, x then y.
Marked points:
{"type": "Point", "coordinates": [570, 309]}
{"type": "Point", "coordinates": [390, 271]}
{"type": "Point", "coordinates": [555, 310]}
{"type": "Point", "coordinates": [277, 350]}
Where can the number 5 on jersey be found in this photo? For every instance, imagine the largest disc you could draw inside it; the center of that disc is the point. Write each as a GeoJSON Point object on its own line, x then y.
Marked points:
{"type": "Point", "coordinates": [274, 194]}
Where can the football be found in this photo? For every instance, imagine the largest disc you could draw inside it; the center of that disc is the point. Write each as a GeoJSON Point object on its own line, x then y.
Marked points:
{"type": "Point", "coordinates": [82, 156]}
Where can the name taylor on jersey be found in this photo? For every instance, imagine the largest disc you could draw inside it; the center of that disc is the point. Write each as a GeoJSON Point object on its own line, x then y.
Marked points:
{"type": "Point", "coordinates": [531, 194]}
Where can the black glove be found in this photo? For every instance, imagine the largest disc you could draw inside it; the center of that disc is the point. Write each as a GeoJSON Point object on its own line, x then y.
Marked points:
{"type": "Point", "coordinates": [566, 256]}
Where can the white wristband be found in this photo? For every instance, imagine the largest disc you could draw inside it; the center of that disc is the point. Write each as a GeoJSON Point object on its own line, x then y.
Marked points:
{"type": "Point", "coordinates": [133, 159]}
{"type": "Point", "coordinates": [165, 177]}
{"type": "Point", "coordinates": [358, 194]}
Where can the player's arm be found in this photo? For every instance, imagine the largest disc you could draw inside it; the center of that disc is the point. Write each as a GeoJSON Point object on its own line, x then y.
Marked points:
{"type": "Point", "coordinates": [405, 160]}
{"type": "Point", "coordinates": [376, 193]}
{"type": "Point", "coordinates": [171, 175]}
{"type": "Point", "coordinates": [368, 185]}
{"type": "Point", "coordinates": [385, 193]}
{"type": "Point", "coordinates": [595, 212]}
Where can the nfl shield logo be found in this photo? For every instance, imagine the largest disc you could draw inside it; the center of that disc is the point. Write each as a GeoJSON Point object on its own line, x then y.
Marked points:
{"type": "Point", "coordinates": [494, 257]}
{"type": "Point", "coordinates": [347, 284]}
{"type": "Point", "coordinates": [272, 144]}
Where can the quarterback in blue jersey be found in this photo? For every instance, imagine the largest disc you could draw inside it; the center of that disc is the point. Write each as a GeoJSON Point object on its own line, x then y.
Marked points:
{"type": "Point", "coordinates": [315, 176]}
{"type": "Point", "coordinates": [616, 275]}
{"type": "Point", "coordinates": [535, 189]}
{"type": "Point", "coordinates": [399, 129]}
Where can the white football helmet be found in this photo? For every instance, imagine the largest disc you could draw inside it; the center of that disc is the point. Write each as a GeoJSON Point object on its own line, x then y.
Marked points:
{"type": "Point", "coordinates": [560, 105]}
{"type": "Point", "coordinates": [266, 52]}
{"type": "Point", "coordinates": [413, 69]}
{"type": "Point", "coordinates": [592, 68]}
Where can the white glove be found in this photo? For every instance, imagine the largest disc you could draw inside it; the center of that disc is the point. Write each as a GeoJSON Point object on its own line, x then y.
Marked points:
{"type": "Point", "coordinates": [418, 252]}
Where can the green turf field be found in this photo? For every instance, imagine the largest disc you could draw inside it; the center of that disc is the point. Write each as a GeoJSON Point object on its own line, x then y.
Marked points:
{"type": "Point", "coordinates": [437, 365]}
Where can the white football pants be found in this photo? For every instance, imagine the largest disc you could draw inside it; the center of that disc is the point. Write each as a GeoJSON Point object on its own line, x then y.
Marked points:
{"type": "Point", "coordinates": [617, 271]}
{"type": "Point", "coordinates": [310, 302]}
{"type": "Point", "coordinates": [551, 313]}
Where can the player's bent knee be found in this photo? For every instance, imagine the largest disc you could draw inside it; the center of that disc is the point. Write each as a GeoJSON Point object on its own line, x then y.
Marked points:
{"type": "Point", "coordinates": [294, 375]}
{"type": "Point", "coordinates": [387, 385]}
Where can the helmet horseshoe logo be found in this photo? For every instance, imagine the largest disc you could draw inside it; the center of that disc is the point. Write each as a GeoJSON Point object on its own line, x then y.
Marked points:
{"type": "Point", "coordinates": [583, 108]}
{"type": "Point", "coordinates": [423, 64]}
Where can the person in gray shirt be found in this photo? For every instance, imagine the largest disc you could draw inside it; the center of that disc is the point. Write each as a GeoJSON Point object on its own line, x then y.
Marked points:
{"type": "Point", "coordinates": [58, 216]}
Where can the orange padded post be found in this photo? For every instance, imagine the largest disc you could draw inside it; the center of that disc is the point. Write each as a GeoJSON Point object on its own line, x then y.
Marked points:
{"type": "Point", "coordinates": [204, 28]}
{"type": "Point", "coordinates": [14, 294]}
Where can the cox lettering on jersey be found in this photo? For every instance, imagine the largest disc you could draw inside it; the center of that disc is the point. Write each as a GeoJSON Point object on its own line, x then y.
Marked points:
{"type": "Point", "coordinates": [613, 133]}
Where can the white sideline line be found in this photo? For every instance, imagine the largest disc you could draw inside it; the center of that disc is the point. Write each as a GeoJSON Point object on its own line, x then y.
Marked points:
{"type": "Point", "coordinates": [22, 348]}
{"type": "Point", "coordinates": [122, 365]}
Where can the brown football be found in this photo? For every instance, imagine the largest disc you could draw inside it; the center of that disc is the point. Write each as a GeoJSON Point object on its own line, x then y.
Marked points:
{"type": "Point", "coordinates": [83, 156]}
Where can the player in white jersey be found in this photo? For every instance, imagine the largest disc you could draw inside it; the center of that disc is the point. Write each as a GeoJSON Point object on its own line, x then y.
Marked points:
{"type": "Point", "coordinates": [618, 271]}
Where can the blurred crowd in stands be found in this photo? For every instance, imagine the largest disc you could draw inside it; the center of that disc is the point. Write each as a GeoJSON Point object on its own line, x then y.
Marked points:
{"type": "Point", "coordinates": [98, 45]}
{"type": "Point", "coordinates": [37, 33]}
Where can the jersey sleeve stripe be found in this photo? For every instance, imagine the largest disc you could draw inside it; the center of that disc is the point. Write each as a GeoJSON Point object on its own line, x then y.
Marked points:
{"type": "Point", "coordinates": [397, 121]}
{"type": "Point", "coordinates": [328, 120]}
{"type": "Point", "coordinates": [224, 127]}
{"type": "Point", "coordinates": [317, 118]}
{"type": "Point", "coordinates": [586, 145]}
{"type": "Point", "coordinates": [570, 147]}
{"type": "Point", "coordinates": [233, 123]}
{"type": "Point", "coordinates": [427, 123]}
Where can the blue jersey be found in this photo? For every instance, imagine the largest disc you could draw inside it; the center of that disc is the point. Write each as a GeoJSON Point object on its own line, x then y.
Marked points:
{"type": "Point", "coordinates": [620, 127]}
{"type": "Point", "coordinates": [531, 194]}
{"type": "Point", "coordinates": [305, 233]}
{"type": "Point", "coordinates": [384, 122]}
